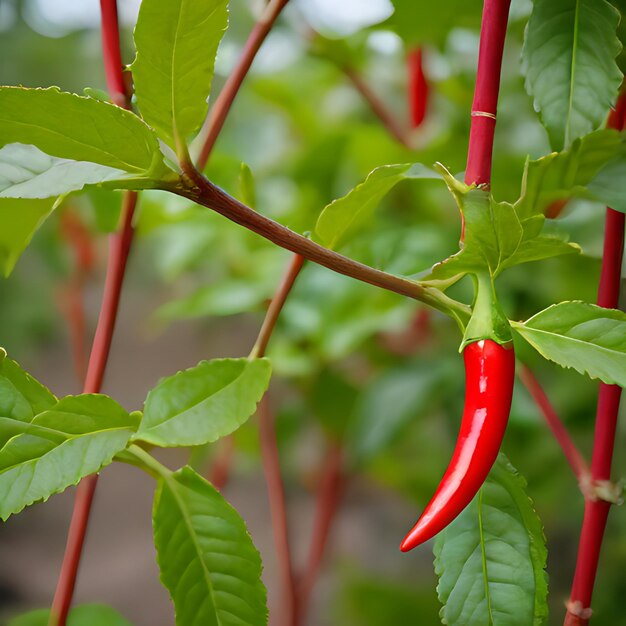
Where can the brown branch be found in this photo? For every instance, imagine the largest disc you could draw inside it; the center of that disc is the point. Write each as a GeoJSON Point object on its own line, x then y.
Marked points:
{"type": "Point", "coordinates": [198, 189]}
{"type": "Point", "coordinates": [224, 101]}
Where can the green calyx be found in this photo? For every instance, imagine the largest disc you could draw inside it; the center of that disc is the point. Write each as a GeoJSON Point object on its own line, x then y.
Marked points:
{"type": "Point", "coordinates": [488, 321]}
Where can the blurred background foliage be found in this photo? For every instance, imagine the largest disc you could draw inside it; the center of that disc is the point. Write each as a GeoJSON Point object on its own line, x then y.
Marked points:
{"type": "Point", "coordinates": [353, 365]}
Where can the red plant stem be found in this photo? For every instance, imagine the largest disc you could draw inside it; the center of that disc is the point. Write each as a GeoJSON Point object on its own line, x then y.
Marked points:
{"type": "Point", "coordinates": [572, 453]}
{"type": "Point", "coordinates": [331, 489]}
{"type": "Point", "coordinates": [597, 510]}
{"type": "Point", "coordinates": [418, 87]}
{"type": "Point", "coordinates": [278, 510]}
{"type": "Point", "coordinates": [223, 103]}
{"type": "Point", "coordinates": [484, 107]}
{"type": "Point", "coordinates": [119, 247]}
{"type": "Point", "coordinates": [378, 107]}
{"type": "Point", "coordinates": [112, 53]}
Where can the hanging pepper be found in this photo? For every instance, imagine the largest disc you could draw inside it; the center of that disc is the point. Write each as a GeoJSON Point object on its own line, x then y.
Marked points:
{"type": "Point", "coordinates": [489, 377]}
{"type": "Point", "coordinates": [418, 87]}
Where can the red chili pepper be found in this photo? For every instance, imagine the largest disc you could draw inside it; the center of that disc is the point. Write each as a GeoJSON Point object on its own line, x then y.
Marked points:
{"type": "Point", "coordinates": [489, 378]}
{"type": "Point", "coordinates": [418, 87]}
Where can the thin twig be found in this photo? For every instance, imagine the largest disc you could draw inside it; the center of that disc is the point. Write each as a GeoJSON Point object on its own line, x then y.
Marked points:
{"type": "Point", "coordinates": [276, 305]}
{"type": "Point", "coordinates": [574, 457]}
{"type": "Point", "coordinates": [221, 108]}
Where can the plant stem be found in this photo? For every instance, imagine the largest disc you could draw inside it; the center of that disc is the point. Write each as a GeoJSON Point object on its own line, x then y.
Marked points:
{"type": "Point", "coordinates": [113, 67]}
{"type": "Point", "coordinates": [597, 510]}
{"type": "Point", "coordinates": [278, 510]}
{"type": "Point", "coordinates": [378, 107]}
{"type": "Point", "coordinates": [484, 107]}
{"type": "Point", "coordinates": [276, 306]}
{"type": "Point", "coordinates": [331, 489]}
{"type": "Point", "coordinates": [198, 189]}
{"type": "Point", "coordinates": [224, 101]}
{"type": "Point", "coordinates": [572, 453]}
{"type": "Point", "coordinates": [119, 247]}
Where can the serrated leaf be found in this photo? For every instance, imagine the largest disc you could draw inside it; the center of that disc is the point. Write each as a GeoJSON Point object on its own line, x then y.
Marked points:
{"type": "Point", "coordinates": [565, 174]}
{"type": "Point", "coordinates": [203, 403]}
{"type": "Point", "coordinates": [176, 45]}
{"type": "Point", "coordinates": [495, 238]}
{"type": "Point", "coordinates": [583, 336]}
{"type": "Point", "coordinates": [569, 57]}
{"type": "Point", "coordinates": [207, 559]}
{"type": "Point", "coordinates": [491, 560]}
{"type": "Point", "coordinates": [348, 212]}
{"type": "Point", "coordinates": [21, 396]}
{"type": "Point", "coordinates": [492, 232]}
{"type": "Point", "coordinates": [27, 172]}
{"type": "Point", "coordinates": [74, 127]}
{"type": "Point", "coordinates": [19, 220]}
{"type": "Point", "coordinates": [72, 439]}
{"type": "Point", "coordinates": [86, 615]}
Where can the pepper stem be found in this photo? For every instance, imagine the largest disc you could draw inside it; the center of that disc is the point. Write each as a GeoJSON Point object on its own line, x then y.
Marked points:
{"type": "Point", "coordinates": [488, 321]}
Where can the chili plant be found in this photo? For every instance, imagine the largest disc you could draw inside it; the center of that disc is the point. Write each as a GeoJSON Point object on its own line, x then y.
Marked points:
{"type": "Point", "coordinates": [153, 139]}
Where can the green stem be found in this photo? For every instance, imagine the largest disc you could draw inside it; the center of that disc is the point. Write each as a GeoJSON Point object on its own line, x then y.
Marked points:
{"type": "Point", "coordinates": [137, 456]}
{"type": "Point", "coordinates": [488, 321]}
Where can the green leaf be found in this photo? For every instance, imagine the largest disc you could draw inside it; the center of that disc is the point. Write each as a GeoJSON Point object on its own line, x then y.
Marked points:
{"type": "Point", "coordinates": [72, 439]}
{"type": "Point", "coordinates": [491, 560]}
{"type": "Point", "coordinates": [565, 174]}
{"type": "Point", "coordinates": [569, 58]}
{"type": "Point", "coordinates": [21, 396]}
{"type": "Point", "coordinates": [346, 213]}
{"type": "Point", "coordinates": [176, 45]}
{"type": "Point", "coordinates": [203, 403]}
{"type": "Point", "coordinates": [247, 189]}
{"type": "Point", "coordinates": [495, 238]}
{"type": "Point", "coordinates": [27, 172]}
{"type": "Point", "coordinates": [583, 336]}
{"type": "Point", "coordinates": [74, 127]}
{"type": "Point", "coordinates": [19, 220]}
{"type": "Point", "coordinates": [492, 232]}
{"type": "Point", "coordinates": [86, 615]}
{"type": "Point", "coordinates": [609, 186]}
{"type": "Point", "coordinates": [207, 559]}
